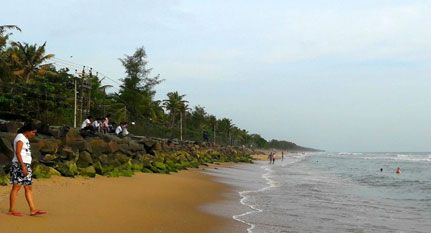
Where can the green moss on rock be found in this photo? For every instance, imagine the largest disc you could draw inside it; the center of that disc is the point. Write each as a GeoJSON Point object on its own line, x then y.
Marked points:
{"type": "Point", "coordinates": [89, 171]}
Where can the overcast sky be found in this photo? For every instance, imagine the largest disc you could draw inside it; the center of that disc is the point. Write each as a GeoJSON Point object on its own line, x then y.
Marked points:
{"type": "Point", "coordinates": [334, 75]}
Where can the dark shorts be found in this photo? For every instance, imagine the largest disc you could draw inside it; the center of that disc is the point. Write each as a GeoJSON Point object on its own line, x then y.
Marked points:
{"type": "Point", "coordinates": [17, 176]}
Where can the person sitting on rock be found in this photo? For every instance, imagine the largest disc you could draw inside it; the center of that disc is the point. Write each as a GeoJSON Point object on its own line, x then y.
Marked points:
{"type": "Point", "coordinates": [87, 127]}
{"type": "Point", "coordinates": [121, 129]}
{"type": "Point", "coordinates": [105, 124]}
{"type": "Point", "coordinates": [86, 124]}
{"type": "Point", "coordinates": [97, 125]}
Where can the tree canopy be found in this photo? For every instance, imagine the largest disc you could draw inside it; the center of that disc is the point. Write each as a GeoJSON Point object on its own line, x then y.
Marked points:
{"type": "Point", "coordinates": [32, 87]}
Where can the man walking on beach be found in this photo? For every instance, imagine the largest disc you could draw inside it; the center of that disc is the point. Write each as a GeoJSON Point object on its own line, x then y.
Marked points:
{"type": "Point", "coordinates": [21, 173]}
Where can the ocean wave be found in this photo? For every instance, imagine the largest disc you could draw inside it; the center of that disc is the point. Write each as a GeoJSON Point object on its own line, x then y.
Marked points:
{"type": "Point", "coordinates": [254, 209]}
{"type": "Point", "coordinates": [401, 157]}
{"type": "Point", "coordinates": [350, 153]}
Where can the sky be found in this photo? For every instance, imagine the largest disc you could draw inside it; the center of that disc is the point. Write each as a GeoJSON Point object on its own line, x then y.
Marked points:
{"type": "Point", "coordinates": [336, 75]}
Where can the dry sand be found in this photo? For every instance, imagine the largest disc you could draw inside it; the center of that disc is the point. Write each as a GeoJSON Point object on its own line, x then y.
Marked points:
{"type": "Point", "coordinates": [142, 203]}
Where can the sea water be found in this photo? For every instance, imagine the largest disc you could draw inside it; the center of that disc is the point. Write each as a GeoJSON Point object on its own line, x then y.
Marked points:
{"type": "Point", "coordinates": [334, 192]}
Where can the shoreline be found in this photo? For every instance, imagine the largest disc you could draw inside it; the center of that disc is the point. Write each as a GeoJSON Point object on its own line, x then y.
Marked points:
{"type": "Point", "coordinates": [141, 203]}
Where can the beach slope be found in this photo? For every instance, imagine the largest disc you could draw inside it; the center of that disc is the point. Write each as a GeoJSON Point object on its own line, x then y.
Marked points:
{"type": "Point", "coordinates": [142, 203]}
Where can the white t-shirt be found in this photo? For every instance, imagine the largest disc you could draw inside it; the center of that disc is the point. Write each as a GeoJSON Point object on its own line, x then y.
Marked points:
{"type": "Point", "coordinates": [96, 124]}
{"type": "Point", "coordinates": [118, 130]}
{"type": "Point", "coordinates": [25, 151]}
{"type": "Point", "coordinates": [85, 123]}
{"type": "Point", "coordinates": [125, 132]}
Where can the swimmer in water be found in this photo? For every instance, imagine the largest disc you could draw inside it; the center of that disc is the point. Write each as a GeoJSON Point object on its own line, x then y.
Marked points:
{"type": "Point", "coordinates": [398, 171]}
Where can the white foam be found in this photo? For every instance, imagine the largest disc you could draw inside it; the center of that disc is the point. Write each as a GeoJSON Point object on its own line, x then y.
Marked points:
{"type": "Point", "coordinates": [402, 157]}
{"type": "Point", "coordinates": [254, 209]}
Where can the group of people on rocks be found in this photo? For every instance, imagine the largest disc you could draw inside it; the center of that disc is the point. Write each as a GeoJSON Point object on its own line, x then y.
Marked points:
{"type": "Point", "coordinates": [90, 126]}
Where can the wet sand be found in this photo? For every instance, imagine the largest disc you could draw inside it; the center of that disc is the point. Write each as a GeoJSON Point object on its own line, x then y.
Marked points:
{"type": "Point", "coordinates": [142, 203]}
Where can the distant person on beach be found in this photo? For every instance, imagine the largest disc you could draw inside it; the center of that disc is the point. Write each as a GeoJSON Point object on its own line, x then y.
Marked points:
{"type": "Point", "coordinates": [398, 170]}
{"type": "Point", "coordinates": [282, 156]}
{"type": "Point", "coordinates": [271, 157]}
{"type": "Point", "coordinates": [21, 173]}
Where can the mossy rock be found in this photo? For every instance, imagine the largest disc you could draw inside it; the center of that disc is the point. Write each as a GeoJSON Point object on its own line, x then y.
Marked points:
{"type": "Point", "coordinates": [194, 164]}
{"type": "Point", "coordinates": [116, 172]}
{"type": "Point", "coordinates": [80, 145]}
{"type": "Point", "coordinates": [104, 170]}
{"type": "Point", "coordinates": [146, 170]}
{"type": "Point", "coordinates": [50, 157]}
{"type": "Point", "coordinates": [72, 135]}
{"type": "Point", "coordinates": [183, 165]}
{"type": "Point", "coordinates": [98, 167]}
{"type": "Point", "coordinates": [4, 179]}
{"type": "Point", "coordinates": [6, 141]}
{"type": "Point", "coordinates": [135, 146]}
{"type": "Point", "coordinates": [122, 158]}
{"type": "Point", "coordinates": [158, 167]}
{"type": "Point", "coordinates": [160, 157]}
{"type": "Point", "coordinates": [172, 166]}
{"type": "Point", "coordinates": [67, 168]}
{"type": "Point", "coordinates": [98, 146]}
{"type": "Point", "coordinates": [113, 146]}
{"type": "Point", "coordinates": [84, 160]}
{"type": "Point", "coordinates": [89, 171]}
{"type": "Point", "coordinates": [69, 154]}
{"type": "Point", "coordinates": [49, 146]}
{"type": "Point", "coordinates": [136, 165]}
{"type": "Point", "coordinates": [108, 160]}
{"type": "Point", "coordinates": [43, 171]}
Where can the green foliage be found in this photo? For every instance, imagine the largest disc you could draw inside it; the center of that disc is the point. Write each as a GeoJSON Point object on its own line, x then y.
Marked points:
{"type": "Point", "coordinates": [33, 88]}
{"type": "Point", "coordinates": [137, 91]}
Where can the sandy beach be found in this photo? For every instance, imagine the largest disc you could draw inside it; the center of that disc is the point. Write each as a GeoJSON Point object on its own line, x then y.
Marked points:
{"type": "Point", "coordinates": [142, 203]}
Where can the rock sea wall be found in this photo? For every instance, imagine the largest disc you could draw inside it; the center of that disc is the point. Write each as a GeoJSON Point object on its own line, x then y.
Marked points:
{"type": "Point", "coordinates": [69, 154]}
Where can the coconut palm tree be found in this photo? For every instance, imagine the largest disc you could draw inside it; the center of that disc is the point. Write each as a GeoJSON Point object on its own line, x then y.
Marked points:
{"type": "Point", "coordinates": [226, 126]}
{"type": "Point", "coordinates": [212, 121]}
{"type": "Point", "coordinates": [3, 36]}
{"type": "Point", "coordinates": [30, 60]}
{"type": "Point", "coordinates": [176, 106]}
{"type": "Point", "coordinates": [5, 72]}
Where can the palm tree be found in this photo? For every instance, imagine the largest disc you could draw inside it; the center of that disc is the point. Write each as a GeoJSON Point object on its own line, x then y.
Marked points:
{"type": "Point", "coordinates": [30, 60]}
{"type": "Point", "coordinates": [183, 109]}
{"type": "Point", "coordinates": [226, 125]}
{"type": "Point", "coordinates": [212, 120]}
{"type": "Point", "coordinates": [175, 105]}
{"type": "Point", "coordinates": [5, 72]}
{"type": "Point", "coordinates": [3, 36]}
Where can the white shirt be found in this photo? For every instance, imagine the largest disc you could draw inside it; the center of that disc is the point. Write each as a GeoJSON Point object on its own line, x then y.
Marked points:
{"type": "Point", "coordinates": [25, 151]}
{"type": "Point", "coordinates": [118, 130]}
{"type": "Point", "coordinates": [85, 123]}
{"type": "Point", "coordinates": [96, 124]}
{"type": "Point", "coordinates": [125, 132]}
